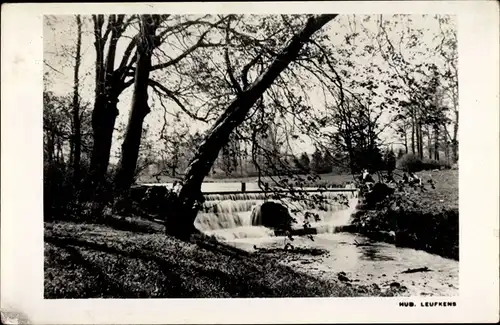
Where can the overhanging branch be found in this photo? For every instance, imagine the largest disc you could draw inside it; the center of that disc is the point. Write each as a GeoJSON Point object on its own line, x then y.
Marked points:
{"type": "Point", "coordinates": [166, 92]}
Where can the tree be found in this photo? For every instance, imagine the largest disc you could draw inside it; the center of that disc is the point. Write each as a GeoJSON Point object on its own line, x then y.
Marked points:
{"type": "Point", "coordinates": [447, 49]}
{"type": "Point", "coordinates": [76, 141]}
{"type": "Point", "coordinates": [328, 162]}
{"type": "Point", "coordinates": [401, 152]}
{"type": "Point", "coordinates": [304, 162]}
{"type": "Point", "coordinates": [181, 222]}
{"type": "Point", "coordinates": [390, 160]}
{"type": "Point", "coordinates": [424, 83]}
{"type": "Point", "coordinates": [109, 84]}
{"type": "Point", "coordinates": [147, 42]}
{"type": "Point", "coordinates": [130, 148]}
{"type": "Point", "coordinates": [317, 163]}
{"type": "Point", "coordinates": [229, 156]}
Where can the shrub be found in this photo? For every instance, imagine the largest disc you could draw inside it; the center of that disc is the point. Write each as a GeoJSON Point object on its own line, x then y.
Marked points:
{"type": "Point", "coordinates": [63, 198]}
{"type": "Point", "coordinates": [412, 163]}
{"type": "Point", "coordinates": [429, 164]}
{"type": "Point", "coordinates": [57, 190]}
{"type": "Point", "coordinates": [409, 163]}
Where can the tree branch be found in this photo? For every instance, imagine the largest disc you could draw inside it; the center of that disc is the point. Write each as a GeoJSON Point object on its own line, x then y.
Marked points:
{"type": "Point", "coordinates": [170, 94]}
{"type": "Point", "coordinates": [246, 69]}
{"type": "Point", "coordinates": [128, 52]}
{"type": "Point", "coordinates": [193, 48]}
{"type": "Point", "coordinates": [229, 68]}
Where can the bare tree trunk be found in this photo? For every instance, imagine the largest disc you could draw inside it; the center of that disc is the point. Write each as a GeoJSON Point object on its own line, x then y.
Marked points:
{"type": "Point", "coordinates": [104, 113]}
{"type": "Point", "coordinates": [76, 106]}
{"type": "Point", "coordinates": [454, 143]}
{"type": "Point", "coordinates": [103, 124]}
{"type": "Point", "coordinates": [109, 85]}
{"type": "Point", "coordinates": [436, 142]}
{"type": "Point", "coordinates": [181, 222]}
{"type": "Point", "coordinates": [413, 133]}
{"type": "Point", "coordinates": [50, 147]}
{"type": "Point", "coordinates": [132, 140]}
{"type": "Point", "coordinates": [60, 153]}
{"type": "Point", "coordinates": [429, 142]}
{"type": "Point", "coordinates": [420, 140]}
{"type": "Point", "coordinates": [406, 139]}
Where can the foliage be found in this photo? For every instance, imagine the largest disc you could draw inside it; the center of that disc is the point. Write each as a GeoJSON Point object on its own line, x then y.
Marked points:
{"type": "Point", "coordinates": [65, 199]}
{"type": "Point", "coordinates": [303, 162]}
{"type": "Point", "coordinates": [412, 163]}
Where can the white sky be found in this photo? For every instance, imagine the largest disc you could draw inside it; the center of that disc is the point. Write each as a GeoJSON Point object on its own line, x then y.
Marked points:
{"type": "Point", "coordinates": [59, 41]}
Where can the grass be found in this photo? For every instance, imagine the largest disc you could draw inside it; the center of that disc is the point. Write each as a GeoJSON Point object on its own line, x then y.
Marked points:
{"type": "Point", "coordinates": [99, 261]}
{"type": "Point", "coordinates": [445, 194]}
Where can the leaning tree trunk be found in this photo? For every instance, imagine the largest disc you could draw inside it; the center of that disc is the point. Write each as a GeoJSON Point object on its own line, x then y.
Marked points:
{"type": "Point", "coordinates": [180, 223]}
{"type": "Point", "coordinates": [76, 107]}
{"type": "Point", "coordinates": [131, 143]}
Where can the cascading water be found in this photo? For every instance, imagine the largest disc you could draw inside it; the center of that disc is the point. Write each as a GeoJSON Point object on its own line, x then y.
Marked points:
{"type": "Point", "coordinates": [232, 216]}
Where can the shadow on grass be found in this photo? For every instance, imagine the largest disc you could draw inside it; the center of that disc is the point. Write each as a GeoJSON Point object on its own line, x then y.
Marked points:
{"type": "Point", "coordinates": [183, 271]}
{"type": "Point", "coordinates": [172, 284]}
{"type": "Point", "coordinates": [132, 224]}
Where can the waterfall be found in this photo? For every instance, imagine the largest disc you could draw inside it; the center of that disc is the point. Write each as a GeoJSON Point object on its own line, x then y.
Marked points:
{"type": "Point", "coordinates": [230, 216]}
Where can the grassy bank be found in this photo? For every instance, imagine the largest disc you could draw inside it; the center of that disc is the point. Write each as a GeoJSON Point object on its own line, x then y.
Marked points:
{"type": "Point", "coordinates": [426, 220]}
{"type": "Point", "coordinates": [100, 261]}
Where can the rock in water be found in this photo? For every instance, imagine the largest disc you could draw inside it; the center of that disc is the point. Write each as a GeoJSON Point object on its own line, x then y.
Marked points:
{"type": "Point", "coordinates": [342, 277]}
{"type": "Point", "coordinates": [395, 285]}
{"type": "Point", "coordinates": [272, 215]}
{"type": "Point", "coordinates": [421, 269]}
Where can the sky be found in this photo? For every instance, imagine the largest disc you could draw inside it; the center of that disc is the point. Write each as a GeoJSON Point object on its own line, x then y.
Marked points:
{"type": "Point", "coordinates": [60, 39]}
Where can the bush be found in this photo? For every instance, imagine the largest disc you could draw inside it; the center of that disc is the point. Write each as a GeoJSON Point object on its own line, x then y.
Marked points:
{"type": "Point", "coordinates": [63, 198]}
{"type": "Point", "coordinates": [411, 163]}
{"type": "Point", "coordinates": [57, 190]}
{"type": "Point", "coordinates": [430, 164]}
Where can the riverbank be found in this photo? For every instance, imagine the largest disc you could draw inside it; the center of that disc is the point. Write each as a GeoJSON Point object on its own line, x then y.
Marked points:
{"type": "Point", "coordinates": [426, 220]}
{"type": "Point", "coordinates": [138, 261]}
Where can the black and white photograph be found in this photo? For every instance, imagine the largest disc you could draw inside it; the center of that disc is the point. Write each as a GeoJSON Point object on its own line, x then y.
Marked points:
{"type": "Point", "coordinates": [252, 155]}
